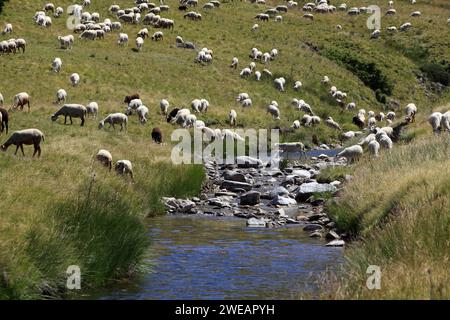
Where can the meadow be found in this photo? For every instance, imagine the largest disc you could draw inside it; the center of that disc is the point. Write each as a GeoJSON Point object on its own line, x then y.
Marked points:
{"type": "Point", "coordinates": [63, 209]}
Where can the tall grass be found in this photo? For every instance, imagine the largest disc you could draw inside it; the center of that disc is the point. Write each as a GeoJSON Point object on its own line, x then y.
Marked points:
{"type": "Point", "coordinates": [398, 206]}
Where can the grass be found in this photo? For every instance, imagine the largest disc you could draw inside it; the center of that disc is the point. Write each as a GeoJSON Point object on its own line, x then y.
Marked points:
{"type": "Point", "coordinates": [46, 200]}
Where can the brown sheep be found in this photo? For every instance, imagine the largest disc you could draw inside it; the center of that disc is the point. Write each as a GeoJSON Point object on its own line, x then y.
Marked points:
{"type": "Point", "coordinates": [27, 137]}
{"type": "Point", "coordinates": [129, 98]}
{"type": "Point", "coordinates": [157, 135]}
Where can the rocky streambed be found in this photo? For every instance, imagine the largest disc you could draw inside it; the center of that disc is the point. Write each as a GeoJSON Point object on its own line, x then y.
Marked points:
{"type": "Point", "coordinates": [267, 197]}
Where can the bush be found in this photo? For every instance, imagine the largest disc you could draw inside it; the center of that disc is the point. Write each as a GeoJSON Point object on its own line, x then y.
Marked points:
{"type": "Point", "coordinates": [436, 72]}
{"type": "Point", "coordinates": [366, 71]}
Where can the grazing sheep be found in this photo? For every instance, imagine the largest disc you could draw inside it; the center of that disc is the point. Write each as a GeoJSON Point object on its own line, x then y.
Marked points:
{"type": "Point", "coordinates": [416, 14]}
{"type": "Point", "coordinates": [435, 121]}
{"type": "Point", "coordinates": [274, 111]}
{"type": "Point", "coordinates": [2, 101]}
{"type": "Point", "coordinates": [410, 111]}
{"type": "Point", "coordinates": [92, 109]}
{"type": "Point", "coordinates": [157, 136]}
{"type": "Point", "coordinates": [157, 36]}
{"type": "Point", "coordinates": [113, 119]}
{"type": "Point", "coordinates": [245, 72]}
{"type": "Point", "coordinates": [104, 157]}
{"type": "Point", "coordinates": [297, 85]}
{"type": "Point", "coordinates": [375, 34]}
{"type": "Point", "coordinates": [4, 120]}
{"type": "Point", "coordinates": [309, 16]}
{"type": "Point", "coordinates": [234, 63]}
{"type": "Point", "coordinates": [89, 34]}
{"type": "Point", "coordinates": [75, 79]}
{"type": "Point", "coordinates": [8, 29]}
{"type": "Point", "coordinates": [246, 103]}
{"type": "Point", "coordinates": [232, 117]}
{"type": "Point", "coordinates": [374, 147]}
{"type": "Point", "coordinates": [142, 112]}
{"type": "Point", "coordinates": [296, 124]}
{"type": "Point", "coordinates": [71, 110]}
{"type": "Point", "coordinates": [384, 140]}
{"type": "Point", "coordinates": [20, 100]}
{"type": "Point", "coordinates": [172, 114]}
{"type": "Point", "coordinates": [325, 80]}
{"type": "Point", "coordinates": [332, 124]}
{"type": "Point", "coordinates": [405, 26]}
{"type": "Point", "coordinates": [351, 153]}
{"type": "Point", "coordinates": [21, 44]}
{"type": "Point", "coordinates": [58, 12]}
{"type": "Point", "coordinates": [25, 137]}
{"type": "Point", "coordinates": [279, 83]}
{"type": "Point", "coordinates": [56, 65]}
{"type": "Point", "coordinates": [242, 96]}
{"type": "Point", "coordinates": [390, 115]}
{"type": "Point", "coordinates": [143, 33]}
{"type": "Point", "coordinates": [61, 96]}
{"type": "Point", "coordinates": [123, 39]}
{"type": "Point", "coordinates": [124, 167]}
{"type": "Point", "coordinates": [139, 43]}
{"type": "Point", "coordinates": [258, 75]}
{"type": "Point", "coordinates": [262, 17]}
{"type": "Point", "coordinates": [164, 106]}
{"type": "Point", "coordinates": [196, 105]}
{"type": "Point", "coordinates": [255, 27]}
{"type": "Point", "coordinates": [49, 7]}
{"type": "Point", "coordinates": [134, 104]}
{"type": "Point", "coordinates": [66, 42]}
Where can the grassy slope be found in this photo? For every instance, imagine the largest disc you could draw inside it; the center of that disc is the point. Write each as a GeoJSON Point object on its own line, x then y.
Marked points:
{"type": "Point", "coordinates": [38, 190]}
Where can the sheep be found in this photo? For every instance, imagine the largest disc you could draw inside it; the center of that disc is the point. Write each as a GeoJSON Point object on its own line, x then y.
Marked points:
{"type": "Point", "coordinates": [297, 85]}
{"type": "Point", "coordinates": [139, 43]}
{"type": "Point", "coordinates": [391, 12]}
{"type": "Point", "coordinates": [258, 75]}
{"type": "Point", "coordinates": [157, 36]}
{"type": "Point", "coordinates": [296, 124]}
{"type": "Point", "coordinates": [2, 101]}
{"type": "Point", "coordinates": [262, 17]}
{"type": "Point", "coordinates": [315, 120]}
{"type": "Point", "coordinates": [172, 114]}
{"type": "Point", "coordinates": [142, 112]}
{"type": "Point", "coordinates": [71, 110]}
{"type": "Point", "coordinates": [116, 26]}
{"type": "Point", "coordinates": [372, 122]}
{"type": "Point", "coordinates": [75, 79]}
{"type": "Point", "coordinates": [274, 111]}
{"type": "Point", "coordinates": [143, 33]}
{"type": "Point", "coordinates": [4, 120]}
{"type": "Point", "coordinates": [113, 119]}
{"type": "Point", "coordinates": [204, 105]}
{"type": "Point", "coordinates": [92, 109]}
{"type": "Point", "coordinates": [232, 117]}
{"type": "Point", "coordinates": [435, 121]}
{"type": "Point", "coordinates": [234, 63]}
{"type": "Point", "coordinates": [392, 29]}
{"type": "Point", "coordinates": [405, 26]}
{"type": "Point", "coordinates": [56, 65]}
{"type": "Point", "coordinates": [66, 42]}
{"type": "Point", "coordinates": [245, 72]}
{"type": "Point", "coordinates": [332, 124]}
{"type": "Point", "coordinates": [309, 16]}
{"type": "Point", "coordinates": [375, 34]}
{"type": "Point", "coordinates": [164, 106]}
{"type": "Point", "coordinates": [8, 29]}
{"type": "Point", "coordinates": [124, 167]}
{"type": "Point", "coordinates": [25, 137]}
{"type": "Point", "coordinates": [384, 140]}
{"type": "Point", "coordinates": [279, 83]}
{"type": "Point", "coordinates": [325, 80]}
{"type": "Point", "coordinates": [58, 12]}
{"type": "Point", "coordinates": [49, 7]}
{"type": "Point", "coordinates": [255, 27]}
{"type": "Point", "coordinates": [123, 39]}
{"type": "Point", "coordinates": [351, 153]}
{"type": "Point", "coordinates": [359, 121]}
{"type": "Point", "coordinates": [61, 96]}
{"type": "Point", "coordinates": [410, 111]}
{"type": "Point", "coordinates": [20, 100]}
{"type": "Point", "coordinates": [131, 97]}
{"type": "Point", "coordinates": [242, 96]}
{"type": "Point", "coordinates": [390, 115]}
{"type": "Point", "coordinates": [416, 14]}
{"type": "Point", "coordinates": [104, 157]}
{"type": "Point", "coordinates": [134, 104]}
{"type": "Point", "coordinates": [273, 54]}
{"type": "Point", "coordinates": [196, 105]}
{"type": "Point", "coordinates": [246, 103]}
{"type": "Point", "coordinates": [374, 147]}
{"type": "Point", "coordinates": [348, 135]}
{"type": "Point", "coordinates": [21, 44]}
{"type": "Point", "coordinates": [278, 19]}
{"type": "Point", "coordinates": [445, 121]}
{"type": "Point", "coordinates": [181, 117]}
{"type": "Point", "coordinates": [157, 136]}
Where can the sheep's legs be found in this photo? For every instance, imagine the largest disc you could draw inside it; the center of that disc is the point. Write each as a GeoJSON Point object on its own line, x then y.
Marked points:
{"type": "Point", "coordinates": [65, 119]}
{"type": "Point", "coordinates": [29, 106]}
{"type": "Point", "coordinates": [37, 149]}
{"type": "Point", "coordinates": [21, 149]}
{"type": "Point", "coordinates": [70, 117]}
{"type": "Point", "coordinates": [82, 121]}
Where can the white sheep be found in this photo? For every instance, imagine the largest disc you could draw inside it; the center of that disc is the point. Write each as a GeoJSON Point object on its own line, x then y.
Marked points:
{"type": "Point", "coordinates": [245, 72]}
{"type": "Point", "coordinates": [297, 85]}
{"type": "Point", "coordinates": [142, 112]}
{"type": "Point", "coordinates": [113, 119]}
{"type": "Point", "coordinates": [374, 147]}
{"type": "Point", "coordinates": [325, 80]}
{"type": "Point", "coordinates": [332, 124]}
{"type": "Point", "coordinates": [66, 42]}
{"type": "Point", "coordinates": [445, 121]}
{"type": "Point", "coordinates": [123, 39]}
{"type": "Point", "coordinates": [255, 27]}
{"type": "Point", "coordinates": [2, 100]}
{"type": "Point", "coordinates": [405, 26]}
{"type": "Point", "coordinates": [234, 63]}
{"type": "Point", "coordinates": [351, 153]}
{"type": "Point", "coordinates": [296, 124]}
{"type": "Point", "coordinates": [134, 104]}
{"type": "Point", "coordinates": [435, 121]}
{"type": "Point", "coordinates": [56, 65]}
{"type": "Point", "coordinates": [258, 75]}
{"type": "Point", "coordinates": [279, 83]}
{"type": "Point", "coordinates": [104, 157]}
{"type": "Point", "coordinates": [232, 117]}
{"type": "Point", "coordinates": [164, 106]}
{"type": "Point", "coordinates": [246, 103]}
{"type": "Point", "coordinates": [274, 111]}
{"type": "Point", "coordinates": [92, 109]}
{"type": "Point", "coordinates": [75, 79]}
{"type": "Point", "coordinates": [139, 43]}
{"type": "Point", "coordinates": [61, 96]}
{"type": "Point", "coordinates": [58, 12]}
{"type": "Point", "coordinates": [384, 140]}
{"type": "Point", "coordinates": [410, 111]}
{"type": "Point", "coordinates": [8, 29]}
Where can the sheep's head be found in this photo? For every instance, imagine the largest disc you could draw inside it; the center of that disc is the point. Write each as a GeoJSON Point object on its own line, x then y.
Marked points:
{"type": "Point", "coordinates": [101, 124]}
{"type": "Point", "coordinates": [3, 147]}
{"type": "Point", "coordinates": [54, 117]}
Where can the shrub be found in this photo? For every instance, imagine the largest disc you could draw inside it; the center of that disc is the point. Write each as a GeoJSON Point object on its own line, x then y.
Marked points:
{"type": "Point", "coordinates": [436, 72]}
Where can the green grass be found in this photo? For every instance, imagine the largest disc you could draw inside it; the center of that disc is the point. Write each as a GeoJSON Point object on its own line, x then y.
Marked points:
{"type": "Point", "coordinates": [46, 200]}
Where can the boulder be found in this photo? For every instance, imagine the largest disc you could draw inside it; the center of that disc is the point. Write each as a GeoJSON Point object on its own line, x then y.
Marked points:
{"type": "Point", "coordinates": [250, 198]}
{"type": "Point", "coordinates": [306, 190]}
{"type": "Point", "coordinates": [312, 227]}
{"type": "Point", "coordinates": [332, 235]}
{"type": "Point", "coordinates": [278, 191]}
{"type": "Point", "coordinates": [234, 176]}
{"type": "Point", "coordinates": [283, 201]}
{"type": "Point", "coordinates": [304, 174]}
{"type": "Point", "coordinates": [256, 223]}
{"type": "Point", "coordinates": [248, 162]}
{"type": "Point", "coordinates": [235, 185]}
{"type": "Point", "coordinates": [336, 243]}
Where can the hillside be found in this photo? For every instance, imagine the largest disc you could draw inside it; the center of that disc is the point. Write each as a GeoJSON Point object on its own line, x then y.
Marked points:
{"type": "Point", "coordinates": [40, 198]}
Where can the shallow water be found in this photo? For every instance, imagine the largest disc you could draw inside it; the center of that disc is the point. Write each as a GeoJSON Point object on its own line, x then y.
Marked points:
{"type": "Point", "coordinates": [195, 257]}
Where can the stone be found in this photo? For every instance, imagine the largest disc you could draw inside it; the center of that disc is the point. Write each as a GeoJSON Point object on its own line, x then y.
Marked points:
{"type": "Point", "coordinates": [316, 234]}
{"type": "Point", "coordinates": [234, 176]}
{"type": "Point", "coordinates": [278, 191]}
{"type": "Point", "coordinates": [336, 243]}
{"type": "Point", "coordinates": [306, 190]}
{"type": "Point", "coordinates": [248, 162]}
{"type": "Point", "coordinates": [250, 198]}
{"type": "Point", "coordinates": [234, 185]}
{"type": "Point", "coordinates": [256, 223]}
{"type": "Point", "coordinates": [312, 227]}
{"type": "Point", "coordinates": [221, 202]}
{"type": "Point", "coordinates": [282, 201]}
{"type": "Point", "coordinates": [224, 193]}
{"type": "Point", "coordinates": [332, 235]}
{"type": "Point", "coordinates": [292, 221]}
{"type": "Point", "coordinates": [304, 174]}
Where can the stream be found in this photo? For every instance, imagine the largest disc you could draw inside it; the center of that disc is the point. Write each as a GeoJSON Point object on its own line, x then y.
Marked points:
{"type": "Point", "coordinates": [201, 257]}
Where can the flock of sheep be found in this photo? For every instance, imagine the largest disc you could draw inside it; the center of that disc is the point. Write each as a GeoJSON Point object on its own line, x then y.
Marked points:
{"type": "Point", "coordinates": [375, 129]}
